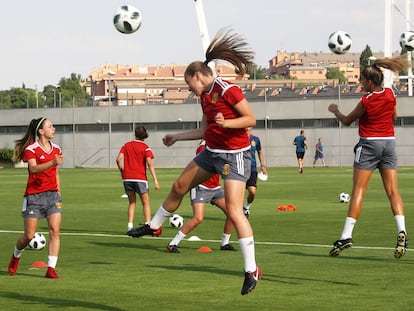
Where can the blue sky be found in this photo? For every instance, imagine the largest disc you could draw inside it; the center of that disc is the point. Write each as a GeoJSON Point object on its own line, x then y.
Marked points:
{"type": "Point", "coordinates": [43, 41]}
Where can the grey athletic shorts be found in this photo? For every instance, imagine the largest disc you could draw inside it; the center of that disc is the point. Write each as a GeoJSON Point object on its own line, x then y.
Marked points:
{"type": "Point", "coordinates": [136, 186]}
{"type": "Point", "coordinates": [206, 195]}
{"type": "Point", "coordinates": [232, 166]}
{"type": "Point", "coordinates": [41, 205]}
{"type": "Point", "coordinates": [378, 153]}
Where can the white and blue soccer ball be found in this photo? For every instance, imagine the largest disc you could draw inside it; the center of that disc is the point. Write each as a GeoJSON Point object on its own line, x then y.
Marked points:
{"type": "Point", "coordinates": [38, 242]}
{"type": "Point", "coordinates": [339, 42]}
{"type": "Point", "coordinates": [344, 197]}
{"type": "Point", "coordinates": [127, 19]}
{"type": "Point", "coordinates": [407, 40]}
{"type": "Point", "coordinates": [176, 221]}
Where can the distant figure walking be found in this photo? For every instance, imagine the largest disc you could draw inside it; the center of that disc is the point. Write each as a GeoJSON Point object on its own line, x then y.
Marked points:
{"type": "Point", "coordinates": [319, 153]}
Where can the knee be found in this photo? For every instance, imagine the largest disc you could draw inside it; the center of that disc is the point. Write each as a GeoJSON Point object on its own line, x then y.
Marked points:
{"type": "Point", "coordinates": [198, 220]}
{"type": "Point", "coordinates": [54, 232]}
{"type": "Point", "coordinates": [178, 189]}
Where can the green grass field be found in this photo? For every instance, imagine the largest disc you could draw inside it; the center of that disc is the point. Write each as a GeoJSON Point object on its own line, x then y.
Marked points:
{"type": "Point", "coordinates": [103, 269]}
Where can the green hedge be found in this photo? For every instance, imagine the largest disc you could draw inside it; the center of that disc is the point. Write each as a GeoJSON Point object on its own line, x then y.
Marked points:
{"type": "Point", "coordinates": [6, 154]}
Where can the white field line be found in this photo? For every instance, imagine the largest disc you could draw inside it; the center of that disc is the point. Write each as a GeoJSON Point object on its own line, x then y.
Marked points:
{"type": "Point", "coordinates": [90, 234]}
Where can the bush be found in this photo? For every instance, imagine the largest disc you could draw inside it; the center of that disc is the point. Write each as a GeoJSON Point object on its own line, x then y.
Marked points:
{"type": "Point", "coordinates": [6, 154]}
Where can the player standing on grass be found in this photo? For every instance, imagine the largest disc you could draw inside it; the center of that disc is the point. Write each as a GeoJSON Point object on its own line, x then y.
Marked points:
{"type": "Point", "coordinates": [301, 146]}
{"type": "Point", "coordinates": [132, 161]}
{"type": "Point", "coordinates": [226, 115]}
{"type": "Point", "coordinates": [251, 184]}
{"type": "Point", "coordinates": [209, 191]}
{"type": "Point", "coordinates": [42, 196]}
{"type": "Point", "coordinates": [375, 112]}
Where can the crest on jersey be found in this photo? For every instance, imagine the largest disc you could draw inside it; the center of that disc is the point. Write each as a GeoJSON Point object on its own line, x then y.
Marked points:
{"type": "Point", "coordinates": [214, 98]}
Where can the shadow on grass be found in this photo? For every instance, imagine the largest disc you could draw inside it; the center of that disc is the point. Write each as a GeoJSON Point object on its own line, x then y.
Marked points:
{"type": "Point", "coordinates": [266, 276]}
{"type": "Point", "coordinates": [138, 245]}
{"type": "Point", "coordinates": [52, 302]}
{"type": "Point", "coordinates": [344, 257]}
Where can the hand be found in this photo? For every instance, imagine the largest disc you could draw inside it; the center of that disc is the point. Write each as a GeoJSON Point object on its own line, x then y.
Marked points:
{"type": "Point", "coordinates": [219, 118]}
{"type": "Point", "coordinates": [157, 185]}
{"type": "Point", "coordinates": [169, 140]}
{"type": "Point", "coordinates": [333, 108]}
{"type": "Point", "coordinates": [58, 160]}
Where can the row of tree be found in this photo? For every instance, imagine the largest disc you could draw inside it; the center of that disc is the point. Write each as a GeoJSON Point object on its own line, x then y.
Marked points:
{"type": "Point", "coordinates": [68, 91]}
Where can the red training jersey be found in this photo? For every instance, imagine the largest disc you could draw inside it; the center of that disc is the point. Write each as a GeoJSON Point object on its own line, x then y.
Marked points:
{"type": "Point", "coordinates": [46, 180]}
{"type": "Point", "coordinates": [222, 97]}
{"type": "Point", "coordinates": [213, 182]}
{"type": "Point", "coordinates": [135, 153]}
{"type": "Point", "coordinates": [377, 121]}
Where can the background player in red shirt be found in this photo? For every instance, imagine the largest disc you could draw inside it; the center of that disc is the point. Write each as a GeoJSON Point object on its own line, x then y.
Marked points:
{"type": "Point", "coordinates": [209, 191]}
{"type": "Point", "coordinates": [133, 159]}
{"type": "Point", "coordinates": [375, 112]}
{"type": "Point", "coordinates": [226, 115]}
{"type": "Point", "coordinates": [42, 196]}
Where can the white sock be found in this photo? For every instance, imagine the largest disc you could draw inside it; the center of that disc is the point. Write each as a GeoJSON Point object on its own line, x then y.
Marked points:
{"type": "Point", "coordinates": [159, 218]}
{"type": "Point", "coordinates": [247, 249]}
{"type": "Point", "coordinates": [225, 239]}
{"type": "Point", "coordinates": [130, 225]}
{"type": "Point", "coordinates": [52, 261]}
{"type": "Point", "coordinates": [177, 239]}
{"type": "Point", "coordinates": [247, 205]}
{"type": "Point", "coordinates": [400, 220]}
{"type": "Point", "coordinates": [348, 228]}
{"type": "Point", "coordinates": [17, 252]}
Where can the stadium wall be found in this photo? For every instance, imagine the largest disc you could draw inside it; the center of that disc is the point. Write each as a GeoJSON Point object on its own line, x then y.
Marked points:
{"type": "Point", "coordinates": [83, 133]}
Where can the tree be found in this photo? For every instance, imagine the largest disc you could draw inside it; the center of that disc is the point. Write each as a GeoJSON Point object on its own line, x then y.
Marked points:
{"type": "Point", "coordinates": [50, 94]}
{"type": "Point", "coordinates": [335, 73]}
{"type": "Point", "coordinates": [71, 89]}
{"type": "Point", "coordinates": [364, 59]}
{"type": "Point", "coordinates": [257, 73]}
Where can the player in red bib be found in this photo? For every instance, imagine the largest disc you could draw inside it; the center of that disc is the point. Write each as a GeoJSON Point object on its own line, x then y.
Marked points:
{"type": "Point", "coordinates": [133, 160]}
{"type": "Point", "coordinates": [376, 113]}
{"type": "Point", "coordinates": [226, 115]}
{"type": "Point", "coordinates": [42, 196]}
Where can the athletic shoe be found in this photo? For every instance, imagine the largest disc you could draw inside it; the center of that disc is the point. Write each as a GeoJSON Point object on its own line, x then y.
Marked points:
{"type": "Point", "coordinates": [227, 247]}
{"type": "Point", "coordinates": [339, 246]}
{"type": "Point", "coordinates": [246, 212]}
{"type": "Point", "coordinates": [401, 245]}
{"type": "Point", "coordinates": [250, 281]}
{"type": "Point", "coordinates": [144, 230]}
{"type": "Point", "coordinates": [172, 249]}
{"type": "Point", "coordinates": [51, 273]}
{"type": "Point", "coordinates": [13, 265]}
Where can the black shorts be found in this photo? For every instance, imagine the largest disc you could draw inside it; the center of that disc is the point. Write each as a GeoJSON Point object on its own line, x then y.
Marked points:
{"type": "Point", "coordinates": [300, 155]}
{"type": "Point", "coordinates": [252, 181]}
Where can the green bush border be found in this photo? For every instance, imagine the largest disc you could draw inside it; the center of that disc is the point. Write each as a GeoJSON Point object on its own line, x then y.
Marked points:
{"type": "Point", "coordinates": [6, 155]}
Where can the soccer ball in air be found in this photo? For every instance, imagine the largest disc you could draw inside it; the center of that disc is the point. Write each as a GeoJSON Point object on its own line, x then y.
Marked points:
{"type": "Point", "coordinates": [407, 40]}
{"type": "Point", "coordinates": [127, 19]}
{"type": "Point", "coordinates": [344, 197]}
{"type": "Point", "coordinates": [339, 42]}
{"type": "Point", "coordinates": [176, 221]}
{"type": "Point", "coordinates": [38, 242]}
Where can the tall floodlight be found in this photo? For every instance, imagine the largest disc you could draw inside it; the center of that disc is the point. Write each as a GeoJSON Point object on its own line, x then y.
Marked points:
{"type": "Point", "coordinates": [409, 53]}
{"type": "Point", "coordinates": [205, 38]}
{"type": "Point", "coordinates": [201, 18]}
{"type": "Point", "coordinates": [388, 79]}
